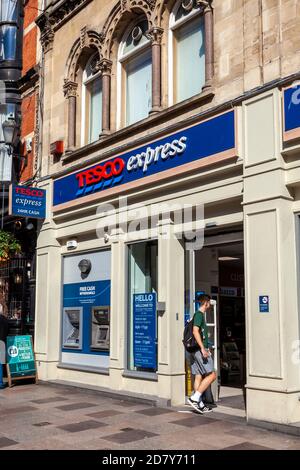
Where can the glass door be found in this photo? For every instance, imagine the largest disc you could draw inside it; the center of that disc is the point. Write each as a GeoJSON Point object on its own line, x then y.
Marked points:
{"type": "Point", "coordinates": [191, 292]}
{"type": "Point", "coordinates": [142, 312]}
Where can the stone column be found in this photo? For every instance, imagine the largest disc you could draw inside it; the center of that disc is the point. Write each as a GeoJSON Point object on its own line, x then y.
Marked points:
{"type": "Point", "coordinates": [47, 42]}
{"type": "Point", "coordinates": [105, 67]}
{"type": "Point", "coordinates": [118, 309]}
{"type": "Point", "coordinates": [209, 42]}
{"type": "Point", "coordinates": [48, 294]}
{"type": "Point", "coordinates": [70, 90]}
{"type": "Point", "coordinates": [156, 36]}
{"type": "Point", "coordinates": [273, 379]}
{"type": "Point", "coordinates": [171, 370]}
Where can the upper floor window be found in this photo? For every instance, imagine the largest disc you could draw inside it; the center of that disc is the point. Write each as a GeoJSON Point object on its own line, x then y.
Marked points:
{"type": "Point", "coordinates": [134, 75]}
{"type": "Point", "coordinates": [8, 29]}
{"type": "Point", "coordinates": [187, 51]}
{"type": "Point", "coordinates": [91, 103]}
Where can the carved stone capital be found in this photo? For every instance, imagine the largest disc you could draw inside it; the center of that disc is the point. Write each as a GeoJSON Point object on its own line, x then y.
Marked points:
{"type": "Point", "coordinates": [155, 34]}
{"type": "Point", "coordinates": [47, 40]}
{"type": "Point", "coordinates": [205, 5]}
{"type": "Point", "coordinates": [105, 66]}
{"type": "Point", "coordinates": [47, 32]}
{"type": "Point", "coordinates": [70, 89]}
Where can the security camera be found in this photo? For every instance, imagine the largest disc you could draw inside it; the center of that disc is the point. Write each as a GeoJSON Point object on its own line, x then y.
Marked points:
{"type": "Point", "coordinates": [106, 238]}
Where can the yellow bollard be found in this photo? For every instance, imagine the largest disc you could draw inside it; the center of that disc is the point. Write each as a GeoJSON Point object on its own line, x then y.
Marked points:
{"type": "Point", "coordinates": [188, 380]}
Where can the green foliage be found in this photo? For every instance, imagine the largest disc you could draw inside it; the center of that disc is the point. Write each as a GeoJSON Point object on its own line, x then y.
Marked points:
{"type": "Point", "coordinates": [9, 245]}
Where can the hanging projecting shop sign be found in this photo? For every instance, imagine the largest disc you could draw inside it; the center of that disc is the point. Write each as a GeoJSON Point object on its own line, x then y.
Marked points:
{"type": "Point", "coordinates": [27, 202]}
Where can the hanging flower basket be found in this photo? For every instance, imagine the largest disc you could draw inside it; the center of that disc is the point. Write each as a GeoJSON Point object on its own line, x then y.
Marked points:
{"type": "Point", "coordinates": [9, 245]}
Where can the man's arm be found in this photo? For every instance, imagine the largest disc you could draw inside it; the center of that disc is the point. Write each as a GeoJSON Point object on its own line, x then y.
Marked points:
{"type": "Point", "coordinates": [197, 336]}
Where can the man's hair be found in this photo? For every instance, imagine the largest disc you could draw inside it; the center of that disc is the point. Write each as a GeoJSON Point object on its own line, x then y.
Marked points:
{"type": "Point", "coordinates": [203, 298]}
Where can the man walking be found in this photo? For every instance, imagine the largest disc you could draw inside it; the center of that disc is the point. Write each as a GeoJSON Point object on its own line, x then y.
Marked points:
{"type": "Point", "coordinates": [202, 366]}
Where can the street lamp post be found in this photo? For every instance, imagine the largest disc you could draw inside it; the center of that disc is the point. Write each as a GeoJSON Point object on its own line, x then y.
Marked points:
{"type": "Point", "coordinates": [10, 132]}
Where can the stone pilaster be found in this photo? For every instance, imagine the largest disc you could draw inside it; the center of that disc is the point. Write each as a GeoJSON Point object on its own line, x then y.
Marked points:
{"type": "Point", "coordinates": [105, 66]}
{"type": "Point", "coordinates": [70, 91]}
{"type": "Point", "coordinates": [209, 40]}
{"type": "Point", "coordinates": [155, 34]}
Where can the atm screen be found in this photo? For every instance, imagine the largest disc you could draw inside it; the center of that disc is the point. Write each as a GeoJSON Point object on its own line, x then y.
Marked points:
{"type": "Point", "coordinates": [100, 328]}
{"type": "Point", "coordinates": [103, 334]}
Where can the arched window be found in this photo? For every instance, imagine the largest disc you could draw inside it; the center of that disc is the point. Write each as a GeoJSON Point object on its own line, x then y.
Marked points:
{"type": "Point", "coordinates": [91, 103]}
{"type": "Point", "coordinates": [134, 75]}
{"type": "Point", "coordinates": [187, 51]}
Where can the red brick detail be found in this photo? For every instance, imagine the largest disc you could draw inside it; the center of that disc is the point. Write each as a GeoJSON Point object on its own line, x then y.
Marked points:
{"type": "Point", "coordinates": [30, 12]}
{"type": "Point", "coordinates": [29, 50]}
{"type": "Point", "coordinates": [28, 126]}
{"type": "Point", "coordinates": [28, 115]}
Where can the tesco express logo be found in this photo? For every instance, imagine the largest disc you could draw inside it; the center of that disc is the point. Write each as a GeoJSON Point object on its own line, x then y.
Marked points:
{"type": "Point", "coordinates": [113, 171]}
{"type": "Point", "coordinates": [29, 192]}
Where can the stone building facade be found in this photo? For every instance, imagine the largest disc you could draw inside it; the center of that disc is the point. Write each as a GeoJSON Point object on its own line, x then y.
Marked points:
{"type": "Point", "coordinates": [120, 82]}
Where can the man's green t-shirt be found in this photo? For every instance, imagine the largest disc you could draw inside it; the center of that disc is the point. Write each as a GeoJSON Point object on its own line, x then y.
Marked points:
{"type": "Point", "coordinates": [199, 320]}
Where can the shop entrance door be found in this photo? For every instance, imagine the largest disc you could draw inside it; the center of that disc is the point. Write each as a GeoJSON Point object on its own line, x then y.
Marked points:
{"type": "Point", "coordinates": [218, 270]}
{"type": "Point", "coordinates": [191, 307]}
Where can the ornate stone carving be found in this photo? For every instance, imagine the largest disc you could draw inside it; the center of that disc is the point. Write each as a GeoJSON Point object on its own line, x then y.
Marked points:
{"type": "Point", "coordinates": [37, 131]}
{"type": "Point", "coordinates": [155, 34]}
{"type": "Point", "coordinates": [88, 39]}
{"type": "Point", "coordinates": [124, 5]}
{"type": "Point", "coordinates": [157, 12]}
{"type": "Point", "coordinates": [83, 37]}
{"type": "Point", "coordinates": [47, 33]}
{"type": "Point", "coordinates": [58, 14]}
{"type": "Point", "coordinates": [144, 6]}
{"type": "Point", "coordinates": [105, 66]}
{"type": "Point", "coordinates": [70, 89]}
{"type": "Point", "coordinates": [204, 4]}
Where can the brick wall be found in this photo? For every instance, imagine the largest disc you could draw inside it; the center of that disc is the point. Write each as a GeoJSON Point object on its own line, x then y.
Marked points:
{"type": "Point", "coordinates": [27, 130]}
{"type": "Point", "coordinates": [30, 13]}
{"type": "Point", "coordinates": [29, 50]}
{"type": "Point", "coordinates": [28, 108]}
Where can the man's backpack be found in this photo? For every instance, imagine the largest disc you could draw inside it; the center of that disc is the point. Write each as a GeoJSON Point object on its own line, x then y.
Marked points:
{"type": "Point", "coordinates": [188, 340]}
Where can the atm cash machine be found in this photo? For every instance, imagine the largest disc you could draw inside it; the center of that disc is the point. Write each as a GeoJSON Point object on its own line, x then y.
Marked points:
{"type": "Point", "coordinates": [100, 328]}
{"type": "Point", "coordinates": [72, 327]}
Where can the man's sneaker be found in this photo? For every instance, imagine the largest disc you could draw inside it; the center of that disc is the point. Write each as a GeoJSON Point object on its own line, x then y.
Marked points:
{"type": "Point", "coordinates": [204, 409]}
{"type": "Point", "coordinates": [194, 404]}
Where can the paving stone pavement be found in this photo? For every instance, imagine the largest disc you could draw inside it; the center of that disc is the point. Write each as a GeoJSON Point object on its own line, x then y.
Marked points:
{"type": "Point", "coordinates": [56, 417]}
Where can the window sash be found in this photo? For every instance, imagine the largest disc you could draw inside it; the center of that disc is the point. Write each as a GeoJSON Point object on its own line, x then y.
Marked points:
{"type": "Point", "coordinates": [8, 42]}
{"type": "Point", "coordinates": [189, 59]}
{"type": "Point", "coordinates": [8, 10]}
{"type": "Point", "coordinates": [94, 109]}
{"type": "Point", "coordinates": [138, 72]}
{"type": "Point", "coordinates": [142, 278]}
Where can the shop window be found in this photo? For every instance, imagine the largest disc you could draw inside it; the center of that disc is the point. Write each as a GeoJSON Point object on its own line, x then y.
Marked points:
{"type": "Point", "coordinates": [8, 29]}
{"type": "Point", "coordinates": [142, 315]}
{"type": "Point", "coordinates": [187, 51]}
{"type": "Point", "coordinates": [86, 309]}
{"type": "Point", "coordinates": [134, 75]}
{"type": "Point", "coordinates": [92, 103]}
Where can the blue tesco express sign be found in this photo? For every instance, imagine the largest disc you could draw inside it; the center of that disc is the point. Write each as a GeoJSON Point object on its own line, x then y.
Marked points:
{"type": "Point", "coordinates": [27, 202]}
{"type": "Point", "coordinates": [144, 331]}
{"type": "Point", "coordinates": [292, 108]}
{"type": "Point", "coordinates": [206, 139]}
